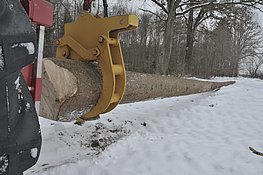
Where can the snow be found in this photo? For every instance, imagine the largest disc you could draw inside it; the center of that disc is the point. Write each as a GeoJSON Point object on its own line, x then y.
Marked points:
{"type": "Point", "coordinates": [34, 152]}
{"type": "Point", "coordinates": [28, 106]}
{"type": "Point", "coordinates": [203, 134]}
{"type": "Point", "coordinates": [7, 98]}
{"type": "Point", "coordinates": [2, 62]}
{"type": "Point", "coordinates": [29, 46]}
{"type": "Point", "coordinates": [19, 92]}
{"type": "Point", "coordinates": [3, 163]}
{"type": "Point", "coordinates": [17, 83]}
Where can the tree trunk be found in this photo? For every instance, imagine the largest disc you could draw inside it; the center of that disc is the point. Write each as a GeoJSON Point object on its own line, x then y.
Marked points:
{"type": "Point", "coordinates": [189, 43]}
{"type": "Point", "coordinates": [166, 50]}
{"type": "Point", "coordinates": [71, 88]}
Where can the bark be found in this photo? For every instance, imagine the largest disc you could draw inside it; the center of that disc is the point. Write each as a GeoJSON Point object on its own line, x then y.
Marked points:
{"type": "Point", "coordinates": [71, 88]}
{"type": "Point", "coordinates": [167, 45]}
{"type": "Point", "coordinates": [166, 51]}
{"type": "Point", "coordinates": [189, 43]}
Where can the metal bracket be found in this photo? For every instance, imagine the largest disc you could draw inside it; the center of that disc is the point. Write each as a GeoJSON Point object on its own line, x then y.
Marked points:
{"type": "Point", "coordinates": [91, 38]}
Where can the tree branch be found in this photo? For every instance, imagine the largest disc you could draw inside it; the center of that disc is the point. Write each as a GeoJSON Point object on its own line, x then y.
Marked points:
{"type": "Point", "coordinates": [151, 12]}
{"type": "Point", "coordinates": [214, 3]}
{"type": "Point", "coordinates": [60, 1]}
{"type": "Point", "coordinates": [160, 5]}
{"type": "Point", "coordinates": [255, 151]}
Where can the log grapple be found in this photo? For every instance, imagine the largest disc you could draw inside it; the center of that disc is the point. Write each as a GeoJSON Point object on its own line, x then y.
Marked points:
{"type": "Point", "coordinates": [97, 39]}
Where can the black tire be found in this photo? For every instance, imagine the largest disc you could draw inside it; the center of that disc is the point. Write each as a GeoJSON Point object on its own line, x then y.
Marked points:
{"type": "Point", "coordinates": [20, 139]}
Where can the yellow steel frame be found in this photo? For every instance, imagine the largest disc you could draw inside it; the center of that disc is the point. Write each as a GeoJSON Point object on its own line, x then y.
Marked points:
{"type": "Point", "coordinates": [92, 38]}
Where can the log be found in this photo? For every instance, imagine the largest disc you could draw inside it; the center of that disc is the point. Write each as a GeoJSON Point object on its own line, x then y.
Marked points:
{"type": "Point", "coordinates": [71, 88]}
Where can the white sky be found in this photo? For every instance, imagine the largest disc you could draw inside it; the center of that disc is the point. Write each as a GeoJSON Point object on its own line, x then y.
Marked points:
{"type": "Point", "coordinates": [260, 17]}
{"type": "Point", "coordinates": [146, 4]}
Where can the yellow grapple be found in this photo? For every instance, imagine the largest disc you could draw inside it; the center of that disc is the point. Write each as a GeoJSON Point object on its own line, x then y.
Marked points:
{"type": "Point", "coordinates": [93, 38]}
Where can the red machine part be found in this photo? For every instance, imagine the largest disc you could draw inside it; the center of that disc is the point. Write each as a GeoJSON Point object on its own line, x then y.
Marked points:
{"type": "Point", "coordinates": [27, 73]}
{"type": "Point", "coordinates": [34, 83]}
{"type": "Point", "coordinates": [41, 13]}
{"type": "Point", "coordinates": [87, 5]}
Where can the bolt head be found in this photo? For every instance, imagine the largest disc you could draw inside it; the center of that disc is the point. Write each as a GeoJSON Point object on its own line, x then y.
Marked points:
{"type": "Point", "coordinates": [122, 21]}
{"type": "Point", "coordinates": [101, 39]}
{"type": "Point", "coordinates": [94, 52]}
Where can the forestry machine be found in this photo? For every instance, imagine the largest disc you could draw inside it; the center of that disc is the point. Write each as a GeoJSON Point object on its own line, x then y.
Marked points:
{"type": "Point", "coordinates": [89, 38]}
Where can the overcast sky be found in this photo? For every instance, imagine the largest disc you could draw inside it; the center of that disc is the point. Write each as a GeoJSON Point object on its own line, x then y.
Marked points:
{"type": "Point", "coordinates": [135, 4]}
{"type": "Point", "coordinates": [260, 17]}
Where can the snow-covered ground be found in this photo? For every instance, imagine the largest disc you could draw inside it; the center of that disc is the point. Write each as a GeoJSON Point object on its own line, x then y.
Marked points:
{"type": "Point", "coordinates": [203, 134]}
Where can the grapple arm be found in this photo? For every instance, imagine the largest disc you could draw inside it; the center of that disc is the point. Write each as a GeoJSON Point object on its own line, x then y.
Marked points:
{"type": "Point", "coordinates": [91, 38]}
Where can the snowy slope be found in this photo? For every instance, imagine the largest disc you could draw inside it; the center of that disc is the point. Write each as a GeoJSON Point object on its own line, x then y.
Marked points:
{"type": "Point", "coordinates": [203, 134]}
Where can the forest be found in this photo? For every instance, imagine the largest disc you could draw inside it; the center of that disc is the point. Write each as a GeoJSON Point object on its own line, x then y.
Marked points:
{"type": "Point", "coordinates": [180, 37]}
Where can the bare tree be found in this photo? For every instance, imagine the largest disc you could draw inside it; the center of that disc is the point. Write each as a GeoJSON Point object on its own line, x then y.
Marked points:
{"type": "Point", "coordinates": [175, 8]}
{"type": "Point", "coordinates": [177, 39]}
{"type": "Point", "coordinates": [247, 35]}
{"type": "Point", "coordinates": [253, 65]}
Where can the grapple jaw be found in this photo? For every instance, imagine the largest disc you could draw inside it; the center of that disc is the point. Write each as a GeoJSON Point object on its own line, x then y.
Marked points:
{"type": "Point", "coordinates": [91, 38]}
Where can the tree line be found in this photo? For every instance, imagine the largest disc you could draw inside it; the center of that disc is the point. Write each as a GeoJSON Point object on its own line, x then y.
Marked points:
{"type": "Point", "coordinates": [183, 37]}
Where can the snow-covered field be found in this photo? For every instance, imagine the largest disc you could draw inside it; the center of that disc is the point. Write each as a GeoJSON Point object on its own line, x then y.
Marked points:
{"type": "Point", "coordinates": [203, 134]}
